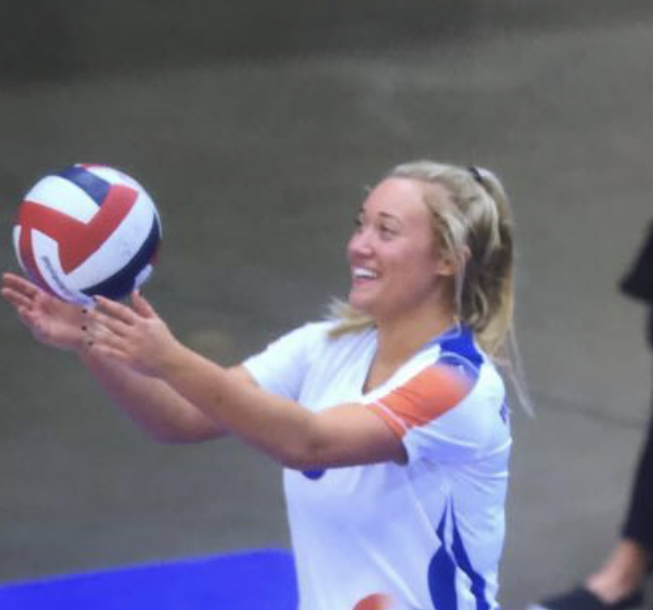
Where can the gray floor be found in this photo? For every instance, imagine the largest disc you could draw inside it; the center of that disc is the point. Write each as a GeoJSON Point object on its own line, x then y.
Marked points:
{"type": "Point", "coordinates": [256, 130]}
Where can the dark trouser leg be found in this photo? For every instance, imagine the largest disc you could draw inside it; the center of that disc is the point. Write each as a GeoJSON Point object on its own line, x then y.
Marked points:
{"type": "Point", "coordinates": [638, 525]}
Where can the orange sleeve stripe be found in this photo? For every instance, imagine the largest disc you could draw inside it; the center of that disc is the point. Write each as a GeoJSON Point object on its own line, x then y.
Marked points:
{"type": "Point", "coordinates": [396, 425]}
{"type": "Point", "coordinates": [425, 397]}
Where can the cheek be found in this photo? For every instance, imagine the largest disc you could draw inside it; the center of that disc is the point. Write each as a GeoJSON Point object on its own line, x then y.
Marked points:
{"type": "Point", "coordinates": [418, 281]}
{"type": "Point", "coordinates": [417, 259]}
{"type": "Point", "coordinates": [419, 271]}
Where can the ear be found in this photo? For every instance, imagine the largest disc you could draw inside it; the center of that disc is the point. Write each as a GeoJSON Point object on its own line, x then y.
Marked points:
{"type": "Point", "coordinates": [447, 266]}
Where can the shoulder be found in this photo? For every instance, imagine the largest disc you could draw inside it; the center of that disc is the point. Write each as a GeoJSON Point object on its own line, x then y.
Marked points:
{"type": "Point", "coordinates": [316, 340]}
{"type": "Point", "coordinates": [283, 364]}
{"type": "Point", "coordinates": [460, 352]}
{"type": "Point", "coordinates": [459, 349]}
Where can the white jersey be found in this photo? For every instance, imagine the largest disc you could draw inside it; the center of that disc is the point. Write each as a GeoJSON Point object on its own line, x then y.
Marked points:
{"type": "Point", "coordinates": [425, 535]}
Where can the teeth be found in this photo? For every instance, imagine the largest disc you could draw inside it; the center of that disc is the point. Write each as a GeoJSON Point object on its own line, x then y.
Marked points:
{"type": "Point", "coordinates": [366, 273]}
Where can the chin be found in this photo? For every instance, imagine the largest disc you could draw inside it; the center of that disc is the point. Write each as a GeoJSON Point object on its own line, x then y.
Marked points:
{"type": "Point", "coordinates": [362, 306]}
{"type": "Point", "coordinates": [357, 303]}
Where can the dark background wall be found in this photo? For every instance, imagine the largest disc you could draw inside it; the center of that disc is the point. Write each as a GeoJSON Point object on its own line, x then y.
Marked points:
{"type": "Point", "coordinates": [49, 41]}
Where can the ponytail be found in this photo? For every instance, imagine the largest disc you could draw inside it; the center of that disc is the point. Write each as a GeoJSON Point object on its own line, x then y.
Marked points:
{"type": "Point", "coordinates": [487, 300]}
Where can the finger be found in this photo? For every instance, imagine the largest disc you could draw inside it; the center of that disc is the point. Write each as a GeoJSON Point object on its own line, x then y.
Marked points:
{"type": "Point", "coordinates": [16, 298]}
{"type": "Point", "coordinates": [96, 319]}
{"type": "Point", "coordinates": [20, 284]}
{"type": "Point", "coordinates": [142, 305]}
{"type": "Point", "coordinates": [26, 316]}
{"type": "Point", "coordinates": [8, 276]}
{"type": "Point", "coordinates": [33, 322]}
{"type": "Point", "coordinates": [115, 310]}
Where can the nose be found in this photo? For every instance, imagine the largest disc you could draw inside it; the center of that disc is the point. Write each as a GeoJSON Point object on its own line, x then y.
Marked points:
{"type": "Point", "coordinates": [360, 244]}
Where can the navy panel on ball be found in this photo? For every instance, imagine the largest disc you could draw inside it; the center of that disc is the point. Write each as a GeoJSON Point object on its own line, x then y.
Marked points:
{"type": "Point", "coordinates": [95, 187]}
{"type": "Point", "coordinates": [121, 283]}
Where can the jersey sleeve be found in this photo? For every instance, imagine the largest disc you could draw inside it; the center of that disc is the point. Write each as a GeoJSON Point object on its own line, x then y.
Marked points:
{"type": "Point", "coordinates": [282, 366]}
{"type": "Point", "coordinates": [440, 414]}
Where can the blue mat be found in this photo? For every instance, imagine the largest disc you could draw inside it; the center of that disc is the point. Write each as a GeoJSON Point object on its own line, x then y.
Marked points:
{"type": "Point", "coordinates": [258, 580]}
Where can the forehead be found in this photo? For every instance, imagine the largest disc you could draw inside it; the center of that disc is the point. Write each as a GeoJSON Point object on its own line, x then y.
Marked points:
{"type": "Point", "coordinates": [402, 198]}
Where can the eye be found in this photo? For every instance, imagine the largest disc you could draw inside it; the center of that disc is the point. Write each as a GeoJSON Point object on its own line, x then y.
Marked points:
{"type": "Point", "coordinates": [387, 232]}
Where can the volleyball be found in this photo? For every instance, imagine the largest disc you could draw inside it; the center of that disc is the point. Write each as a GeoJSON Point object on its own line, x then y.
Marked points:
{"type": "Point", "coordinates": [87, 230]}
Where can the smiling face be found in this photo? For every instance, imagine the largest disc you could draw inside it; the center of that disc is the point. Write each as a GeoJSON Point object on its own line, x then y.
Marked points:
{"type": "Point", "coordinates": [395, 264]}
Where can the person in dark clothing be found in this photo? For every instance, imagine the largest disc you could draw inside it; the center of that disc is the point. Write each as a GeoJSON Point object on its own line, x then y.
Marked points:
{"type": "Point", "coordinates": [618, 584]}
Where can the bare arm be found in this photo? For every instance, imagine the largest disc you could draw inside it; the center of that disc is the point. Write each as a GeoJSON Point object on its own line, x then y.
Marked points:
{"type": "Point", "coordinates": [344, 435]}
{"type": "Point", "coordinates": [151, 403]}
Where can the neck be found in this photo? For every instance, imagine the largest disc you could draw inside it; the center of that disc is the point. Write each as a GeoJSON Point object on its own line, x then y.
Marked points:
{"type": "Point", "coordinates": [399, 339]}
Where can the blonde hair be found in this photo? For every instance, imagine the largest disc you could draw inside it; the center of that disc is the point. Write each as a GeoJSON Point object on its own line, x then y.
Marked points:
{"type": "Point", "coordinates": [474, 228]}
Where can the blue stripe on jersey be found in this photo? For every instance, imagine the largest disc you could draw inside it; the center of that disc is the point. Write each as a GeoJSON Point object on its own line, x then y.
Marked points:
{"type": "Point", "coordinates": [462, 559]}
{"type": "Point", "coordinates": [442, 574]}
{"type": "Point", "coordinates": [313, 475]}
{"type": "Point", "coordinates": [94, 186]}
{"type": "Point", "coordinates": [458, 349]}
{"type": "Point", "coordinates": [121, 283]}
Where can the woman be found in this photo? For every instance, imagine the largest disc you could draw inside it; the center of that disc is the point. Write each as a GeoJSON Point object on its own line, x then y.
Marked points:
{"type": "Point", "coordinates": [390, 419]}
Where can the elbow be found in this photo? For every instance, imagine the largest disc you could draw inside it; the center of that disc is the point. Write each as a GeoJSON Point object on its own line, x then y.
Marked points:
{"type": "Point", "coordinates": [306, 455]}
{"type": "Point", "coordinates": [297, 445]}
{"type": "Point", "coordinates": [297, 462]}
{"type": "Point", "coordinates": [301, 463]}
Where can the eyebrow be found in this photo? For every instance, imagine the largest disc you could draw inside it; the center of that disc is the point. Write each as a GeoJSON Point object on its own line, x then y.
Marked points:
{"type": "Point", "coordinates": [383, 215]}
{"type": "Point", "coordinates": [392, 218]}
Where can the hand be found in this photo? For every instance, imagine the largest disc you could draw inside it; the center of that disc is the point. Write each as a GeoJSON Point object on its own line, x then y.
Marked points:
{"type": "Point", "coordinates": [51, 320]}
{"type": "Point", "coordinates": [134, 336]}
